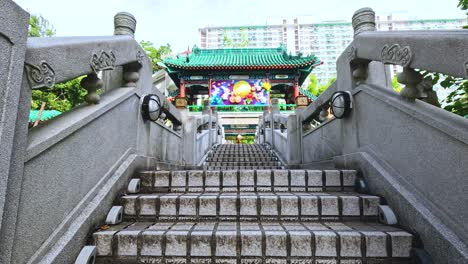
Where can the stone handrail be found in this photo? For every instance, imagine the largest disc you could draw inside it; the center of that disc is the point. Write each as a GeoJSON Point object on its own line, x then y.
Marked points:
{"type": "Point", "coordinates": [64, 172]}
{"type": "Point", "coordinates": [408, 150]}
{"type": "Point", "coordinates": [322, 102]}
{"type": "Point", "coordinates": [436, 50]}
{"type": "Point", "coordinates": [58, 59]}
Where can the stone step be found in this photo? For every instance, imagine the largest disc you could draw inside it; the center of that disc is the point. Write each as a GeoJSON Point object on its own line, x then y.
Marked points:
{"type": "Point", "coordinates": [215, 155]}
{"type": "Point", "coordinates": [223, 168]}
{"type": "Point", "coordinates": [246, 180]}
{"type": "Point", "coordinates": [253, 242]}
{"type": "Point", "coordinates": [237, 159]}
{"type": "Point", "coordinates": [244, 163]}
{"type": "Point", "coordinates": [251, 156]}
{"type": "Point", "coordinates": [251, 206]}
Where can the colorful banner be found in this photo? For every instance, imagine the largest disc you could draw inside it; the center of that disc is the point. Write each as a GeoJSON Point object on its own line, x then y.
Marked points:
{"type": "Point", "coordinates": [239, 92]}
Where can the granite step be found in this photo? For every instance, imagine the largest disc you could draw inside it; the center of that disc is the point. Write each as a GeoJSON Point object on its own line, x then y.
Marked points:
{"type": "Point", "coordinates": [244, 163]}
{"type": "Point", "coordinates": [256, 159]}
{"type": "Point", "coordinates": [224, 168]}
{"type": "Point", "coordinates": [251, 206]}
{"type": "Point", "coordinates": [259, 242]}
{"type": "Point", "coordinates": [215, 155]}
{"type": "Point", "coordinates": [244, 154]}
{"type": "Point", "coordinates": [246, 180]}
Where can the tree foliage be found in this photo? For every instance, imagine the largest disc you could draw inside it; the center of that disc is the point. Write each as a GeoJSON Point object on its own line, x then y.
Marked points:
{"type": "Point", "coordinates": [463, 5]}
{"type": "Point", "coordinates": [228, 42]}
{"type": "Point", "coordinates": [395, 84]}
{"type": "Point", "coordinates": [312, 83]}
{"type": "Point", "coordinates": [457, 100]}
{"type": "Point", "coordinates": [63, 96]}
{"type": "Point", "coordinates": [316, 89]}
{"type": "Point", "coordinates": [155, 54]}
{"type": "Point", "coordinates": [40, 27]}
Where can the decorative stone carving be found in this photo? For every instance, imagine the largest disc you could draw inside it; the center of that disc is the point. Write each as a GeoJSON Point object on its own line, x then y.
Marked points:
{"type": "Point", "coordinates": [40, 76]}
{"type": "Point", "coordinates": [428, 92]}
{"type": "Point", "coordinates": [363, 20]}
{"type": "Point", "coordinates": [124, 24]}
{"type": "Point", "coordinates": [103, 61]}
{"type": "Point", "coordinates": [360, 73]}
{"type": "Point", "coordinates": [396, 55]}
{"type": "Point", "coordinates": [351, 52]}
{"type": "Point", "coordinates": [410, 78]}
{"type": "Point", "coordinates": [131, 78]}
{"type": "Point", "coordinates": [92, 83]}
{"type": "Point", "coordinates": [140, 57]}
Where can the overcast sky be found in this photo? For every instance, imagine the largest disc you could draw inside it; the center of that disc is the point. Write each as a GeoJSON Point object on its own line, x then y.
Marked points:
{"type": "Point", "coordinates": [177, 22]}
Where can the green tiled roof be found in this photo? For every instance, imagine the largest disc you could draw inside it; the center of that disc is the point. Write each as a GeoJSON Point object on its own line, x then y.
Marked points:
{"type": "Point", "coordinates": [46, 115]}
{"type": "Point", "coordinates": [236, 59]}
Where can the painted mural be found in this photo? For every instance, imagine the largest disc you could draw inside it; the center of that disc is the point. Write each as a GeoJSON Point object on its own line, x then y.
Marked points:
{"type": "Point", "coordinates": [239, 92]}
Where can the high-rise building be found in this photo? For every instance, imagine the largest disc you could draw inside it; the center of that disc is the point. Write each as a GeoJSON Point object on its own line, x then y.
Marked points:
{"type": "Point", "coordinates": [326, 40]}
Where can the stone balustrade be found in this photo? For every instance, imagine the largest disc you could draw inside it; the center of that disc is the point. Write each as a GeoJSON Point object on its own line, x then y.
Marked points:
{"type": "Point", "coordinates": [60, 175]}
{"type": "Point", "coordinates": [403, 144]}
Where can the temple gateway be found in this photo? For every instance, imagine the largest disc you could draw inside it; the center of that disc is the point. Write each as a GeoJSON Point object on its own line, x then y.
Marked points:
{"type": "Point", "coordinates": [238, 77]}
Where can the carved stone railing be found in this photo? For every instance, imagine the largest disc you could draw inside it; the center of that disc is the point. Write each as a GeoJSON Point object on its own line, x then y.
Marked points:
{"type": "Point", "coordinates": [201, 133]}
{"type": "Point", "coordinates": [63, 175]}
{"type": "Point", "coordinates": [406, 148]}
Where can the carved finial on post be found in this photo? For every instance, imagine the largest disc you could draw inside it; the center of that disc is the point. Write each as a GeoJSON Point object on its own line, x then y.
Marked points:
{"type": "Point", "coordinates": [124, 24]}
{"type": "Point", "coordinates": [92, 83]}
{"type": "Point", "coordinates": [363, 20]}
{"type": "Point", "coordinates": [411, 79]}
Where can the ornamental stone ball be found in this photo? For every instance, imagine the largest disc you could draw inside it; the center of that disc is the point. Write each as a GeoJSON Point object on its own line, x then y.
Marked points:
{"type": "Point", "coordinates": [124, 24]}
{"type": "Point", "coordinates": [363, 20]}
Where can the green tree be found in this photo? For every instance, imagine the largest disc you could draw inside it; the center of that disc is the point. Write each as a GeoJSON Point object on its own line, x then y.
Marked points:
{"type": "Point", "coordinates": [312, 83]}
{"type": "Point", "coordinates": [463, 5]}
{"type": "Point", "coordinates": [395, 84]}
{"type": "Point", "coordinates": [155, 54]}
{"type": "Point", "coordinates": [457, 100]}
{"type": "Point", "coordinates": [321, 88]}
{"type": "Point", "coordinates": [63, 96]}
{"type": "Point", "coordinates": [40, 27]}
{"type": "Point", "coordinates": [228, 42]}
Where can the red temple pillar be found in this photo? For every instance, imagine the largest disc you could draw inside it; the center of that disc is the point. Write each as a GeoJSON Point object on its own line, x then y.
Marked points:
{"type": "Point", "coordinates": [181, 101]}
{"type": "Point", "coordinates": [182, 88]}
{"type": "Point", "coordinates": [296, 90]}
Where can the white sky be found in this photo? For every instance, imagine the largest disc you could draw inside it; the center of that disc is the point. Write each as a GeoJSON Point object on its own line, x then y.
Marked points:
{"type": "Point", "coordinates": [177, 22]}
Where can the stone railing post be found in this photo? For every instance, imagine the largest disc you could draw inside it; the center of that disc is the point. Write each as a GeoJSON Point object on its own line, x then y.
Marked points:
{"type": "Point", "coordinates": [273, 111]}
{"type": "Point", "coordinates": [215, 124]}
{"type": "Point", "coordinates": [374, 72]}
{"type": "Point", "coordinates": [265, 113]}
{"type": "Point", "coordinates": [363, 20]}
{"type": "Point", "coordinates": [124, 24]}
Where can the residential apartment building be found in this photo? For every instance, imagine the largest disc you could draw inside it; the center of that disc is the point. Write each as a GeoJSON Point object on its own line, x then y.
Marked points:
{"type": "Point", "coordinates": [326, 40]}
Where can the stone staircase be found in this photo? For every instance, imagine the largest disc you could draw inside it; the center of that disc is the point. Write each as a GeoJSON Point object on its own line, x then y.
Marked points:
{"type": "Point", "coordinates": [234, 214]}
{"type": "Point", "coordinates": [241, 156]}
